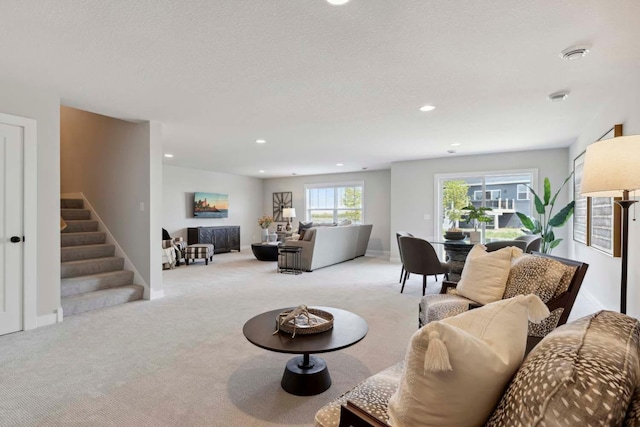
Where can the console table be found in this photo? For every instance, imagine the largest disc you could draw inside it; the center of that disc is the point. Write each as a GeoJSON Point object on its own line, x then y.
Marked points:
{"type": "Point", "coordinates": [225, 238]}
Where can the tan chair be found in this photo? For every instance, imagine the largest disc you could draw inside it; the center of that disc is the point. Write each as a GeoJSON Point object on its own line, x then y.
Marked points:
{"type": "Point", "coordinates": [419, 257]}
{"type": "Point", "coordinates": [446, 304]}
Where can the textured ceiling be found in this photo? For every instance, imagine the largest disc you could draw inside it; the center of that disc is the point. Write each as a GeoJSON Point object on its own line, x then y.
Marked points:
{"type": "Point", "coordinates": [325, 84]}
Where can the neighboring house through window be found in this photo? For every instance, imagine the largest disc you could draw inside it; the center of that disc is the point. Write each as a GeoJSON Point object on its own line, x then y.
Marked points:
{"type": "Point", "coordinates": [335, 202]}
{"type": "Point", "coordinates": [523, 192]}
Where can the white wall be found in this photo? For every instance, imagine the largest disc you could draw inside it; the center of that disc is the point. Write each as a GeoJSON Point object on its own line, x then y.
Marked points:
{"type": "Point", "coordinates": [109, 160]}
{"type": "Point", "coordinates": [603, 277]}
{"type": "Point", "coordinates": [376, 200]}
{"type": "Point", "coordinates": [412, 186]}
{"type": "Point", "coordinates": [44, 107]}
{"type": "Point", "coordinates": [245, 201]}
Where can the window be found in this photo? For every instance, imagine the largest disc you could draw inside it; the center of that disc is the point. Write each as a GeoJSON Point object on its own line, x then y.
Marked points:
{"type": "Point", "coordinates": [523, 192]}
{"type": "Point", "coordinates": [332, 203]}
{"type": "Point", "coordinates": [505, 192]}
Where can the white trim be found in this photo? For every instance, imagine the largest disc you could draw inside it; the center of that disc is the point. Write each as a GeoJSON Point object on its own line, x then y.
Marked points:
{"type": "Point", "coordinates": [395, 260]}
{"type": "Point", "coordinates": [378, 254]}
{"type": "Point", "coordinates": [50, 319]}
{"type": "Point", "coordinates": [156, 294]}
{"type": "Point", "coordinates": [30, 215]}
{"type": "Point", "coordinates": [128, 265]}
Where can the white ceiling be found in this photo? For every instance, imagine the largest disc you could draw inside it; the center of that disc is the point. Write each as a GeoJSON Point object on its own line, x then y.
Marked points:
{"type": "Point", "coordinates": [326, 84]}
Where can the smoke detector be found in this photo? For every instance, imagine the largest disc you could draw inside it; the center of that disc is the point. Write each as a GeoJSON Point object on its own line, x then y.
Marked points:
{"type": "Point", "coordinates": [575, 52]}
{"type": "Point", "coordinates": [558, 96]}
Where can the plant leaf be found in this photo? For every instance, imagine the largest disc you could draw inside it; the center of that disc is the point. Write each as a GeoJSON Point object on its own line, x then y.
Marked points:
{"type": "Point", "coordinates": [563, 216]}
{"type": "Point", "coordinates": [553, 201]}
{"type": "Point", "coordinates": [549, 237]}
{"type": "Point", "coordinates": [555, 243]}
{"type": "Point", "coordinates": [526, 221]}
{"type": "Point", "coordinates": [547, 191]}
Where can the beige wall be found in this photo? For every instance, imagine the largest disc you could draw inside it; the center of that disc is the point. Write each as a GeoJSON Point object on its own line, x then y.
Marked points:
{"type": "Point", "coordinates": [109, 160]}
{"type": "Point", "coordinates": [603, 278]}
{"type": "Point", "coordinates": [376, 201]}
{"type": "Point", "coordinates": [413, 191]}
{"type": "Point", "coordinates": [179, 184]}
{"type": "Point", "coordinates": [44, 107]}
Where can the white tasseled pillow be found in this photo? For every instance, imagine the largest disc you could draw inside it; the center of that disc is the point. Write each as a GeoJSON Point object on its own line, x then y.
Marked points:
{"type": "Point", "coordinates": [484, 276]}
{"type": "Point", "coordinates": [456, 369]}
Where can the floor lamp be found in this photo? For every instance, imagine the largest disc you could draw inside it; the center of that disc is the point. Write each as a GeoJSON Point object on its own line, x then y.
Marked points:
{"type": "Point", "coordinates": [612, 169]}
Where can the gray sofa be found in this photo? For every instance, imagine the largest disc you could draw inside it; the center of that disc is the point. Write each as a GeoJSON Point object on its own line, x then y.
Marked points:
{"type": "Point", "coordinates": [323, 246]}
{"type": "Point", "coordinates": [584, 373]}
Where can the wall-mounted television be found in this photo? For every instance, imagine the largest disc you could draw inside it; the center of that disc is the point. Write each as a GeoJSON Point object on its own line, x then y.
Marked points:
{"type": "Point", "coordinates": [210, 205]}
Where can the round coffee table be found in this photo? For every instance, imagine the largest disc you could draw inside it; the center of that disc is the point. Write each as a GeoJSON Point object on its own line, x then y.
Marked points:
{"type": "Point", "coordinates": [306, 375]}
{"type": "Point", "coordinates": [265, 252]}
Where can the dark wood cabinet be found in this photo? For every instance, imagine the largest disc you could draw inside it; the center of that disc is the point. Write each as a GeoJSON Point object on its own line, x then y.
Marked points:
{"type": "Point", "coordinates": [225, 238]}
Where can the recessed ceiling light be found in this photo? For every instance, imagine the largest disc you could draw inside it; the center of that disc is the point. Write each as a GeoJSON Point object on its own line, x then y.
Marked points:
{"type": "Point", "coordinates": [260, 141]}
{"type": "Point", "coordinates": [426, 108]}
{"type": "Point", "coordinates": [168, 155]}
{"type": "Point", "coordinates": [574, 52]}
{"type": "Point", "coordinates": [339, 164]}
{"type": "Point", "coordinates": [558, 96]}
{"type": "Point", "coordinates": [337, 2]}
{"type": "Point", "coordinates": [261, 171]}
{"type": "Point", "coordinates": [455, 144]}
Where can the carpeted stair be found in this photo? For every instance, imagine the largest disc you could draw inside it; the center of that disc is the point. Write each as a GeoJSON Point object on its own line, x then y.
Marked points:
{"type": "Point", "coordinates": [92, 277]}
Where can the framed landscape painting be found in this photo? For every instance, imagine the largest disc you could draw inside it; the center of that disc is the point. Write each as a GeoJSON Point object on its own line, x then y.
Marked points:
{"type": "Point", "coordinates": [210, 205]}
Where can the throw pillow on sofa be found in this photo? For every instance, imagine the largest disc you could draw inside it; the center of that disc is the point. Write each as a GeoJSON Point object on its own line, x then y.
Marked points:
{"type": "Point", "coordinates": [456, 369]}
{"type": "Point", "coordinates": [303, 227]}
{"type": "Point", "coordinates": [485, 274]}
{"type": "Point", "coordinates": [583, 374]}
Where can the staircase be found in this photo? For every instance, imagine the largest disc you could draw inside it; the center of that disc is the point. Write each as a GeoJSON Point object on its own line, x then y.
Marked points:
{"type": "Point", "coordinates": [92, 277]}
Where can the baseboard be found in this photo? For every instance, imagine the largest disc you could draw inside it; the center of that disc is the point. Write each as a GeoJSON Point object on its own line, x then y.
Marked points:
{"type": "Point", "coordinates": [378, 254]}
{"type": "Point", "coordinates": [395, 260]}
{"type": "Point", "coordinates": [156, 295]}
{"type": "Point", "coordinates": [593, 302]}
{"type": "Point", "coordinates": [50, 319]}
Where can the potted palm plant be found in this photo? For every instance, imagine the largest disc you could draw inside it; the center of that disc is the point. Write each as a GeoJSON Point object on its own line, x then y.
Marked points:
{"type": "Point", "coordinates": [477, 215]}
{"type": "Point", "coordinates": [546, 221]}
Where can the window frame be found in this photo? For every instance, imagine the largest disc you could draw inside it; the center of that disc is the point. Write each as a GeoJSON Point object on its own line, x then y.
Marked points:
{"type": "Point", "coordinates": [335, 209]}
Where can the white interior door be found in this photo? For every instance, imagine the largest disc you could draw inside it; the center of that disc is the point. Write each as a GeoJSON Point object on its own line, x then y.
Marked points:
{"type": "Point", "coordinates": [11, 227]}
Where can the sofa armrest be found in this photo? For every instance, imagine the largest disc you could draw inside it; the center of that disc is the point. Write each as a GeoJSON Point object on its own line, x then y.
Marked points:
{"type": "Point", "coordinates": [352, 415]}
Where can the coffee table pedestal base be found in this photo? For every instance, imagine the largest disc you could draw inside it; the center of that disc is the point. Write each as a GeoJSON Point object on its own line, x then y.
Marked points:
{"type": "Point", "coordinates": [306, 376]}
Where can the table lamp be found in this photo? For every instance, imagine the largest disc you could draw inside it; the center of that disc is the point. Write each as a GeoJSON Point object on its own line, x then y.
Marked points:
{"type": "Point", "coordinates": [289, 213]}
{"type": "Point", "coordinates": [612, 169]}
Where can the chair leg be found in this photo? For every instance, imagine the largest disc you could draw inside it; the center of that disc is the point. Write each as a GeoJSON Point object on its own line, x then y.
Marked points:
{"type": "Point", "coordinates": [406, 273]}
{"type": "Point", "coordinates": [436, 276]}
{"type": "Point", "coordinates": [401, 274]}
{"type": "Point", "coordinates": [424, 284]}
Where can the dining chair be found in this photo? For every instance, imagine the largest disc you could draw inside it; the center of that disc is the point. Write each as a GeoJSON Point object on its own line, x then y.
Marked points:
{"type": "Point", "coordinates": [419, 257]}
{"type": "Point", "coordinates": [398, 235]}
{"type": "Point", "coordinates": [499, 244]}
{"type": "Point", "coordinates": [533, 242]}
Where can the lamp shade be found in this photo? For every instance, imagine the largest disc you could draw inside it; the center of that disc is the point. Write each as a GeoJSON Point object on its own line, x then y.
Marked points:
{"type": "Point", "coordinates": [289, 212]}
{"type": "Point", "coordinates": [612, 166]}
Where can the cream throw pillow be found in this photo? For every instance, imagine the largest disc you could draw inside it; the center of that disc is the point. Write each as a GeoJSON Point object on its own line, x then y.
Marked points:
{"type": "Point", "coordinates": [456, 369]}
{"type": "Point", "coordinates": [484, 276]}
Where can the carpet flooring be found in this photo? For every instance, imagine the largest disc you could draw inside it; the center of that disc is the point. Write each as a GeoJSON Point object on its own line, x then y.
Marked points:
{"type": "Point", "coordinates": [182, 360]}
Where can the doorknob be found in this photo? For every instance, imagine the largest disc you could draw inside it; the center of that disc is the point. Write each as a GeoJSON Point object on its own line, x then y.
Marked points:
{"type": "Point", "coordinates": [15, 239]}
